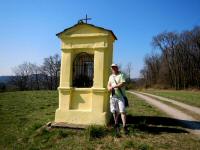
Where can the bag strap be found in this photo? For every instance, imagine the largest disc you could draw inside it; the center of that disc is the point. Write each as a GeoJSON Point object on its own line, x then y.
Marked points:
{"type": "Point", "coordinates": [118, 87]}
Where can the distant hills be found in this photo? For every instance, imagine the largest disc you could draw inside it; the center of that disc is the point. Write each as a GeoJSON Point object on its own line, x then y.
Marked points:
{"type": "Point", "coordinates": [5, 79]}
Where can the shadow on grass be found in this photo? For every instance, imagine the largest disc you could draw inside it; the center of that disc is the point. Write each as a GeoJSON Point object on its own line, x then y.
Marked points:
{"type": "Point", "coordinates": [157, 125]}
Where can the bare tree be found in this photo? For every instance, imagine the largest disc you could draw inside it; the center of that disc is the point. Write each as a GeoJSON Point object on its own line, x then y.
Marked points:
{"type": "Point", "coordinates": [36, 75]}
{"type": "Point", "coordinates": [50, 69]}
{"type": "Point", "coordinates": [22, 73]}
{"type": "Point", "coordinates": [178, 64]}
{"type": "Point", "coordinates": [128, 71]}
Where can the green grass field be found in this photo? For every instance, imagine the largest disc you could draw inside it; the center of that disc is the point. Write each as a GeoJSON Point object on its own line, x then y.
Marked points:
{"type": "Point", "coordinates": [188, 97]}
{"type": "Point", "coordinates": [22, 115]}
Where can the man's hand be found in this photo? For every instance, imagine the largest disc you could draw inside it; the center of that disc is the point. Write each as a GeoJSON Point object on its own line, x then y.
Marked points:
{"type": "Point", "coordinates": [115, 86]}
{"type": "Point", "coordinates": [119, 85]}
{"type": "Point", "coordinates": [110, 88]}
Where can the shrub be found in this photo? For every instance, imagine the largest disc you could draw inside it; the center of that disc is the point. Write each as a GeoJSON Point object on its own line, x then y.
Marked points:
{"type": "Point", "coordinates": [95, 131]}
{"type": "Point", "coordinates": [129, 144]}
{"type": "Point", "coordinates": [144, 146]}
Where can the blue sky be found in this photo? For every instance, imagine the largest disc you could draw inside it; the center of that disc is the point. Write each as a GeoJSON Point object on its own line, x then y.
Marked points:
{"type": "Point", "coordinates": [28, 27]}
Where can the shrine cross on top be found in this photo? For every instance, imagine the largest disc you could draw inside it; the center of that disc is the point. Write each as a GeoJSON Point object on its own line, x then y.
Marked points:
{"type": "Point", "coordinates": [85, 19]}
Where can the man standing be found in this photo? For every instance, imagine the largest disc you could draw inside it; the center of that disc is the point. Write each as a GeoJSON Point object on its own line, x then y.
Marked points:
{"type": "Point", "coordinates": [116, 85]}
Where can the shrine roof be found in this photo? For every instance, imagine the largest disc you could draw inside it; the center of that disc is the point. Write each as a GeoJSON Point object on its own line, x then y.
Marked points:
{"type": "Point", "coordinates": [91, 25]}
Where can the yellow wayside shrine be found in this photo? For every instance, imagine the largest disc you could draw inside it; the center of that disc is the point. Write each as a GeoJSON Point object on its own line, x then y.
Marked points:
{"type": "Point", "coordinates": [87, 52]}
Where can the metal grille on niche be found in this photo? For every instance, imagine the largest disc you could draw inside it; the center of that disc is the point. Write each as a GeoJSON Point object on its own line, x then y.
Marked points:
{"type": "Point", "coordinates": [83, 70]}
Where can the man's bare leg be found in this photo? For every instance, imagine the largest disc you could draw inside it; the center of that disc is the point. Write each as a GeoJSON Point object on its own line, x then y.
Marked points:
{"type": "Point", "coordinates": [116, 126]}
{"type": "Point", "coordinates": [123, 116]}
{"type": "Point", "coordinates": [116, 116]}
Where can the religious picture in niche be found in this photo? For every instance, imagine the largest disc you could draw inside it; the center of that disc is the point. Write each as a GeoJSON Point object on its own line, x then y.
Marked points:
{"type": "Point", "coordinates": [83, 70]}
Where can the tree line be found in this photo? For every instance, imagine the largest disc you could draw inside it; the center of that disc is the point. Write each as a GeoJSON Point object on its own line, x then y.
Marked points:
{"type": "Point", "coordinates": [29, 76]}
{"type": "Point", "coordinates": [177, 62]}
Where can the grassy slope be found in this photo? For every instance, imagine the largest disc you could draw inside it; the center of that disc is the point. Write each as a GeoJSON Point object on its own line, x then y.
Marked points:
{"type": "Point", "coordinates": [188, 97]}
{"type": "Point", "coordinates": [23, 113]}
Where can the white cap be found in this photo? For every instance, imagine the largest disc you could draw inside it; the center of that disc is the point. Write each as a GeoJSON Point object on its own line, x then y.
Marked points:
{"type": "Point", "coordinates": [114, 65]}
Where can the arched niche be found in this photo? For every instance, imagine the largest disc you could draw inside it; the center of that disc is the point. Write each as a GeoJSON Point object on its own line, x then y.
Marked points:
{"type": "Point", "coordinates": [83, 70]}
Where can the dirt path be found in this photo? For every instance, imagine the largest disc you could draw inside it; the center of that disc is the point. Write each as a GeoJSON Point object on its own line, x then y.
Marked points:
{"type": "Point", "coordinates": [183, 105]}
{"type": "Point", "coordinates": [191, 124]}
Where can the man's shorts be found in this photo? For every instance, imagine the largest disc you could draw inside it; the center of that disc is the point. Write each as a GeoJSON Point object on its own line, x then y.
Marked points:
{"type": "Point", "coordinates": [117, 104]}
